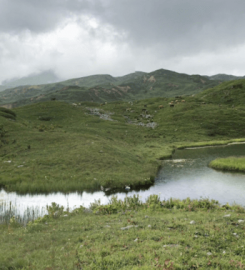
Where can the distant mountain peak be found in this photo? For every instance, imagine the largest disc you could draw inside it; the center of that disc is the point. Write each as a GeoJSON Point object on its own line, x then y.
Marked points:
{"type": "Point", "coordinates": [43, 77]}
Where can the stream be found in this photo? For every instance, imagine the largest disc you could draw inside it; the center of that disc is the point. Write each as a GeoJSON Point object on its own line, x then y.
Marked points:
{"type": "Point", "coordinates": [185, 175]}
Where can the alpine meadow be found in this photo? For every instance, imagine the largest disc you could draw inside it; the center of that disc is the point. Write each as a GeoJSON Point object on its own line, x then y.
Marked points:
{"type": "Point", "coordinates": [103, 132]}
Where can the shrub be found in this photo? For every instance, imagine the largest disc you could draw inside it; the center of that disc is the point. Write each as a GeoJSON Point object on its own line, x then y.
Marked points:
{"type": "Point", "coordinates": [7, 111]}
{"type": "Point", "coordinates": [153, 199]}
{"type": "Point", "coordinates": [6, 115]}
{"type": "Point", "coordinates": [44, 118]}
{"type": "Point", "coordinates": [54, 210]}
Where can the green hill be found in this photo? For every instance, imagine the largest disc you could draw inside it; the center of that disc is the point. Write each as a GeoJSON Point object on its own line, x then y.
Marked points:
{"type": "Point", "coordinates": [105, 88]}
{"type": "Point", "coordinates": [230, 93]}
{"type": "Point", "coordinates": [225, 77]}
{"type": "Point", "coordinates": [113, 145]}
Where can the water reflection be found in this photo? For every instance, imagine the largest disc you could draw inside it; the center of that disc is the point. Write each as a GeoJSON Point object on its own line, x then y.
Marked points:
{"type": "Point", "coordinates": [186, 175]}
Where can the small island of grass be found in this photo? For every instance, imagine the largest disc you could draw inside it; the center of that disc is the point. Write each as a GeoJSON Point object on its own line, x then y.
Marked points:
{"type": "Point", "coordinates": [229, 164]}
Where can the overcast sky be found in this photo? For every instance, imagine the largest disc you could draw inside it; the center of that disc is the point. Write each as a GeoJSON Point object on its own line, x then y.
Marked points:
{"type": "Point", "coordinates": [76, 38]}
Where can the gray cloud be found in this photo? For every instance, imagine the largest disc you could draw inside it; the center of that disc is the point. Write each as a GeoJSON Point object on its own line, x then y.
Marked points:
{"type": "Point", "coordinates": [179, 26]}
{"type": "Point", "coordinates": [202, 24]}
{"type": "Point", "coordinates": [41, 16]}
{"type": "Point", "coordinates": [82, 37]}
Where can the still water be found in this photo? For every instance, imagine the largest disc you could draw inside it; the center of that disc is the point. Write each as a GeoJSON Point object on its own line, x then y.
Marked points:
{"type": "Point", "coordinates": [186, 175]}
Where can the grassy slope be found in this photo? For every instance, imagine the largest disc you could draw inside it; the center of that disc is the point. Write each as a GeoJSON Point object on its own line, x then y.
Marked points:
{"type": "Point", "coordinates": [160, 238]}
{"type": "Point", "coordinates": [102, 88]}
{"type": "Point", "coordinates": [66, 155]}
{"type": "Point", "coordinates": [77, 151]}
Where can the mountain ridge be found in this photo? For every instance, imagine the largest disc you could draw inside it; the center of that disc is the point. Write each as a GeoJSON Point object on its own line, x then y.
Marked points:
{"type": "Point", "coordinates": [106, 88]}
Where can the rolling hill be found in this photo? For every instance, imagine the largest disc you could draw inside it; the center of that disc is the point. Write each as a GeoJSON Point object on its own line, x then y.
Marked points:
{"type": "Point", "coordinates": [105, 88]}
{"type": "Point", "coordinates": [113, 145]}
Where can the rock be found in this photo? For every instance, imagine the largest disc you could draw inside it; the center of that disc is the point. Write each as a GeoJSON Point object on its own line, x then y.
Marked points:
{"type": "Point", "coordinates": [192, 222]}
{"type": "Point", "coordinates": [65, 216]}
{"type": "Point", "coordinates": [151, 125]}
{"type": "Point", "coordinates": [209, 253]}
{"type": "Point", "coordinates": [224, 252]}
{"type": "Point", "coordinates": [20, 166]}
{"type": "Point", "coordinates": [240, 221]}
{"type": "Point", "coordinates": [227, 215]}
{"type": "Point", "coordinates": [101, 151]}
{"type": "Point", "coordinates": [128, 227]}
{"type": "Point", "coordinates": [8, 161]}
{"type": "Point", "coordinates": [178, 160]}
{"type": "Point", "coordinates": [136, 240]}
{"type": "Point", "coordinates": [81, 246]}
{"type": "Point", "coordinates": [146, 217]}
{"type": "Point", "coordinates": [107, 189]}
{"type": "Point", "coordinates": [149, 226]}
{"type": "Point", "coordinates": [127, 187]}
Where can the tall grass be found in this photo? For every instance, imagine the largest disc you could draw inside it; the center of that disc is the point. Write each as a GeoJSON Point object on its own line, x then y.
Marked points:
{"type": "Point", "coordinates": [11, 213]}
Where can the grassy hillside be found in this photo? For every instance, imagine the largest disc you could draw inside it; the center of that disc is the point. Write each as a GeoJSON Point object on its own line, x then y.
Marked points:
{"type": "Point", "coordinates": [228, 93]}
{"type": "Point", "coordinates": [225, 77]}
{"type": "Point", "coordinates": [105, 88]}
{"type": "Point", "coordinates": [54, 146]}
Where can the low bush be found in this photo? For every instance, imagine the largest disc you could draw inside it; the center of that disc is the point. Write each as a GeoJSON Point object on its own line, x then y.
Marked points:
{"type": "Point", "coordinates": [54, 210]}
{"type": "Point", "coordinates": [7, 111]}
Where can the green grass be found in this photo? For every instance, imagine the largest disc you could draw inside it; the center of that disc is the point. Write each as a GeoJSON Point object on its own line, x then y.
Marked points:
{"type": "Point", "coordinates": [210, 143]}
{"type": "Point", "coordinates": [162, 235]}
{"type": "Point", "coordinates": [54, 146]}
{"type": "Point", "coordinates": [229, 164]}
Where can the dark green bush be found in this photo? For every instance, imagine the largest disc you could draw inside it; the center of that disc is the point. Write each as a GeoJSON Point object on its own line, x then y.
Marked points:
{"type": "Point", "coordinates": [7, 115]}
{"type": "Point", "coordinates": [44, 118]}
{"type": "Point", "coordinates": [8, 111]}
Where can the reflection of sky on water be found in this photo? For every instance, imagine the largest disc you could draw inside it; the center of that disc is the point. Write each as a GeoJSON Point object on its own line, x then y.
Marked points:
{"type": "Point", "coordinates": [71, 200]}
{"type": "Point", "coordinates": [185, 176]}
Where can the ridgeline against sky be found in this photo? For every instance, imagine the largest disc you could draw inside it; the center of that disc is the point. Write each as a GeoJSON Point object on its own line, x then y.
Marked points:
{"type": "Point", "coordinates": [82, 37]}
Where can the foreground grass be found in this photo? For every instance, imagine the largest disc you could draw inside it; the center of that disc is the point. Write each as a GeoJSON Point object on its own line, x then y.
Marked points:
{"type": "Point", "coordinates": [229, 164]}
{"type": "Point", "coordinates": [129, 234]}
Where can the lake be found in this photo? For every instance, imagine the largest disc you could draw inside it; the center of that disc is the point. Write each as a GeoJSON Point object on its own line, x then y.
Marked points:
{"type": "Point", "coordinates": [185, 175]}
